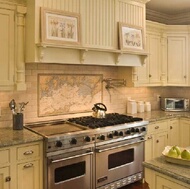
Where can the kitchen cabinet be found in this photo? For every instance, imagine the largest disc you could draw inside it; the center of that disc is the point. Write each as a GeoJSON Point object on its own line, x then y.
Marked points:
{"type": "Point", "coordinates": [5, 168]}
{"type": "Point", "coordinates": [184, 132]}
{"type": "Point", "coordinates": [98, 28]}
{"type": "Point", "coordinates": [156, 139]}
{"type": "Point", "coordinates": [173, 132]}
{"type": "Point", "coordinates": [160, 181]}
{"type": "Point", "coordinates": [21, 166]}
{"type": "Point", "coordinates": [12, 73]}
{"type": "Point", "coordinates": [177, 59]}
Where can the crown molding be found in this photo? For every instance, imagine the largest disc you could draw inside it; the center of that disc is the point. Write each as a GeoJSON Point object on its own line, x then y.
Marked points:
{"type": "Point", "coordinates": [178, 19]}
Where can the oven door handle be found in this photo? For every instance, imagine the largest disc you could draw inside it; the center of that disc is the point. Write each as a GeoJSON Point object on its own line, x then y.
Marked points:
{"type": "Point", "coordinates": [68, 158]}
{"type": "Point", "coordinates": [119, 146]}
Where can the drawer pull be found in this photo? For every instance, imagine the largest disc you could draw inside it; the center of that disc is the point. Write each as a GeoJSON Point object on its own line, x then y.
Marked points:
{"type": "Point", "coordinates": [8, 179]}
{"type": "Point", "coordinates": [149, 137]}
{"type": "Point", "coordinates": [28, 152]}
{"type": "Point", "coordinates": [28, 165]}
{"type": "Point", "coordinates": [157, 127]}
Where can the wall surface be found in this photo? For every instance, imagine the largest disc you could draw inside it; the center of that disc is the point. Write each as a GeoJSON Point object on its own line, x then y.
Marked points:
{"type": "Point", "coordinates": [115, 98]}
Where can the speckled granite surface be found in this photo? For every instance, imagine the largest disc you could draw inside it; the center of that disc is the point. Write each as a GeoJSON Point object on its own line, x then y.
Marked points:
{"type": "Point", "coordinates": [179, 172]}
{"type": "Point", "coordinates": [9, 137]}
{"type": "Point", "coordinates": [161, 115]}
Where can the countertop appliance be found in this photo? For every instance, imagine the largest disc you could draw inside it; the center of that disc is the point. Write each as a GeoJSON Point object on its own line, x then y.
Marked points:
{"type": "Point", "coordinates": [174, 104]}
{"type": "Point", "coordinates": [89, 152]}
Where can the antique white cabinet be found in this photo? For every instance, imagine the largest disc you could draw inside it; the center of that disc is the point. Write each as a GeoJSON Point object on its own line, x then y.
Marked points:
{"type": "Point", "coordinates": [178, 60]}
{"type": "Point", "coordinates": [160, 181]}
{"type": "Point", "coordinates": [12, 72]}
{"type": "Point", "coordinates": [21, 166]}
{"type": "Point", "coordinates": [156, 139]}
{"type": "Point", "coordinates": [184, 132]}
{"type": "Point", "coordinates": [173, 132]}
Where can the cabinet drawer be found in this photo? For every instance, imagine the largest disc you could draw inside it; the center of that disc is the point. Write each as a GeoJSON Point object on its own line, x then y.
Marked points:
{"type": "Point", "coordinates": [4, 156]}
{"type": "Point", "coordinates": [157, 126]}
{"type": "Point", "coordinates": [25, 152]}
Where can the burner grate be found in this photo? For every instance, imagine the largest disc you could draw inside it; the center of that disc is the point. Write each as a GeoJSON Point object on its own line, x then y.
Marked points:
{"type": "Point", "coordinates": [110, 120]}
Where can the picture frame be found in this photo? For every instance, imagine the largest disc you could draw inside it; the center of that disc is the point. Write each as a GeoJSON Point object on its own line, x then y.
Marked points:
{"type": "Point", "coordinates": [59, 27]}
{"type": "Point", "coordinates": [130, 37]}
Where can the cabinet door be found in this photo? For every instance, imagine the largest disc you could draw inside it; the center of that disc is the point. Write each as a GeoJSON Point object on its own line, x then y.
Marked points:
{"type": "Point", "coordinates": [6, 49]}
{"type": "Point", "coordinates": [173, 132]}
{"type": "Point", "coordinates": [161, 140]}
{"type": "Point", "coordinates": [184, 133]}
{"type": "Point", "coordinates": [4, 178]}
{"type": "Point", "coordinates": [150, 74]}
{"type": "Point", "coordinates": [177, 60]}
{"type": "Point", "coordinates": [149, 147]}
{"type": "Point", "coordinates": [29, 175]}
{"type": "Point", "coordinates": [162, 183]}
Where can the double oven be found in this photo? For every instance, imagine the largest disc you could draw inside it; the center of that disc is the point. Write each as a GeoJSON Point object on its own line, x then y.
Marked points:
{"type": "Point", "coordinates": [91, 156]}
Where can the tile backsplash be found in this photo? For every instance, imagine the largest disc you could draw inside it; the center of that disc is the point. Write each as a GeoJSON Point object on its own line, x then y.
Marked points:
{"type": "Point", "coordinates": [115, 98]}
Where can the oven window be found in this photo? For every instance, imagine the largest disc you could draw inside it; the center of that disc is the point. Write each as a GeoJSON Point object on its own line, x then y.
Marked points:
{"type": "Point", "coordinates": [120, 158]}
{"type": "Point", "coordinates": [70, 171]}
{"type": "Point", "coordinates": [179, 104]}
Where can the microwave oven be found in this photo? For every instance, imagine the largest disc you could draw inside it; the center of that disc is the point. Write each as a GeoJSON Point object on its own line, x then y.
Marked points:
{"type": "Point", "coordinates": [174, 104]}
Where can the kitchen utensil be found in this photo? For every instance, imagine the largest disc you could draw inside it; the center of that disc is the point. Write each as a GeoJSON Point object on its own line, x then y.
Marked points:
{"type": "Point", "coordinates": [12, 105]}
{"type": "Point", "coordinates": [99, 110]}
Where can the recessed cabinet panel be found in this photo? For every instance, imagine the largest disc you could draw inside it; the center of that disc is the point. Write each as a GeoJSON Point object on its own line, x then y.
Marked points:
{"type": "Point", "coordinates": [6, 47]}
{"type": "Point", "coordinates": [177, 60]}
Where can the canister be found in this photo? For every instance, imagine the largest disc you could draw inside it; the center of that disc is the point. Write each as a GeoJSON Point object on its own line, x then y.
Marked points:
{"type": "Point", "coordinates": [140, 106]}
{"type": "Point", "coordinates": [131, 107]}
{"type": "Point", "coordinates": [147, 106]}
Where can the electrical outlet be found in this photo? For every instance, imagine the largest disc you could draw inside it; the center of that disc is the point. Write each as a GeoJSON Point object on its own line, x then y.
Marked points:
{"type": "Point", "coordinates": [158, 97]}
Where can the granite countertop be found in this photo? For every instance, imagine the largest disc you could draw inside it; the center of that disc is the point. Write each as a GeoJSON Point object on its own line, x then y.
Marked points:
{"type": "Point", "coordinates": [9, 137]}
{"type": "Point", "coordinates": [179, 172]}
{"type": "Point", "coordinates": [161, 115]}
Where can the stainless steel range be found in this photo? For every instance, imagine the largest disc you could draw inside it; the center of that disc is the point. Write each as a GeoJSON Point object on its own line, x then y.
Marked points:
{"type": "Point", "coordinates": [88, 152]}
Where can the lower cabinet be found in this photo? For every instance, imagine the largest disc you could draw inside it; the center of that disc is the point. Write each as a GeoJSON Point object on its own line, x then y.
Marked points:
{"type": "Point", "coordinates": [184, 132]}
{"type": "Point", "coordinates": [157, 180]}
{"type": "Point", "coordinates": [21, 166]}
{"type": "Point", "coordinates": [156, 139]}
{"type": "Point", "coordinates": [4, 178]}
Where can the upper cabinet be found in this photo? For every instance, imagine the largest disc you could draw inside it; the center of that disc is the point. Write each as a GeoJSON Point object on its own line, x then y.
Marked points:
{"type": "Point", "coordinates": [168, 58]}
{"type": "Point", "coordinates": [98, 30]}
{"type": "Point", "coordinates": [12, 73]}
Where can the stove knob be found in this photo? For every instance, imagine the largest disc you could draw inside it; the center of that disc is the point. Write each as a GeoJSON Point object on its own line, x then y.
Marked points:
{"type": "Point", "coordinates": [121, 133]}
{"type": "Point", "coordinates": [143, 129]}
{"type": "Point", "coordinates": [73, 141]}
{"type": "Point", "coordinates": [128, 132]}
{"type": "Point", "coordinates": [102, 137]}
{"type": "Point", "coordinates": [87, 139]}
{"type": "Point", "coordinates": [132, 130]}
{"type": "Point", "coordinates": [110, 135]}
{"type": "Point", "coordinates": [137, 130]}
{"type": "Point", "coordinates": [58, 143]}
{"type": "Point", "coordinates": [116, 133]}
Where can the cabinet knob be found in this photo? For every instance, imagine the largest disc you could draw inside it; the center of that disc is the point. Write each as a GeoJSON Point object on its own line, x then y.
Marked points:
{"type": "Point", "coordinates": [157, 127]}
{"type": "Point", "coordinates": [171, 127]}
{"type": "Point", "coordinates": [150, 75]}
{"type": "Point", "coordinates": [8, 179]}
{"type": "Point", "coordinates": [157, 141]}
{"type": "Point", "coordinates": [185, 76]}
{"type": "Point", "coordinates": [149, 137]}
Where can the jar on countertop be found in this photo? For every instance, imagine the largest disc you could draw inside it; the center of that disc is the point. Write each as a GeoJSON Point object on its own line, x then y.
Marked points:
{"type": "Point", "coordinates": [140, 106]}
{"type": "Point", "coordinates": [147, 106]}
{"type": "Point", "coordinates": [131, 107]}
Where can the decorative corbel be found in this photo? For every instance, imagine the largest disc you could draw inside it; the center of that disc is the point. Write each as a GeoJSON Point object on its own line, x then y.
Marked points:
{"type": "Point", "coordinates": [83, 54]}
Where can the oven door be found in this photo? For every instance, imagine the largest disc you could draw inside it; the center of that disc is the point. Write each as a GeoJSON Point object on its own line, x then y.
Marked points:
{"type": "Point", "coordinates": [72, 170]}
{"type": "Point", "coordinates": [119, 160]}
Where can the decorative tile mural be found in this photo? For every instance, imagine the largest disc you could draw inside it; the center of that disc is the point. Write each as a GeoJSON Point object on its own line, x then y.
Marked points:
{"type": "Point", "coordinates": [68, 93]}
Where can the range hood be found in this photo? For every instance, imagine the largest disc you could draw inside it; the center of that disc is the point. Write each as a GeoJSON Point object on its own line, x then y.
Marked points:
{"type": "Point", "coordinates": [99, 32]}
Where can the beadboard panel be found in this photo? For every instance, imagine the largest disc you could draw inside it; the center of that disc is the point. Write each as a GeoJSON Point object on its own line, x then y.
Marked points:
{"type": "Point", "coordinates": [98, 21]}
{"type": "Point", "coordinates": [65, 5]}
{"type": "Point", "coordinates": [132, 13]}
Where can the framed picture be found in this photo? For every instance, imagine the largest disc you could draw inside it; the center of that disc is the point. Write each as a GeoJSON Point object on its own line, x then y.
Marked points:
{"type": "Point", "coordinates": [60, 27]}
{"type": "Point", "coordinates": [130, 38]}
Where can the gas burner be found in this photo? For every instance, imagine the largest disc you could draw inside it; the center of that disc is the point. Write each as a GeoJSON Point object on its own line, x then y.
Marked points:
{"type": "Point", "coordinates": [110, 120]}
